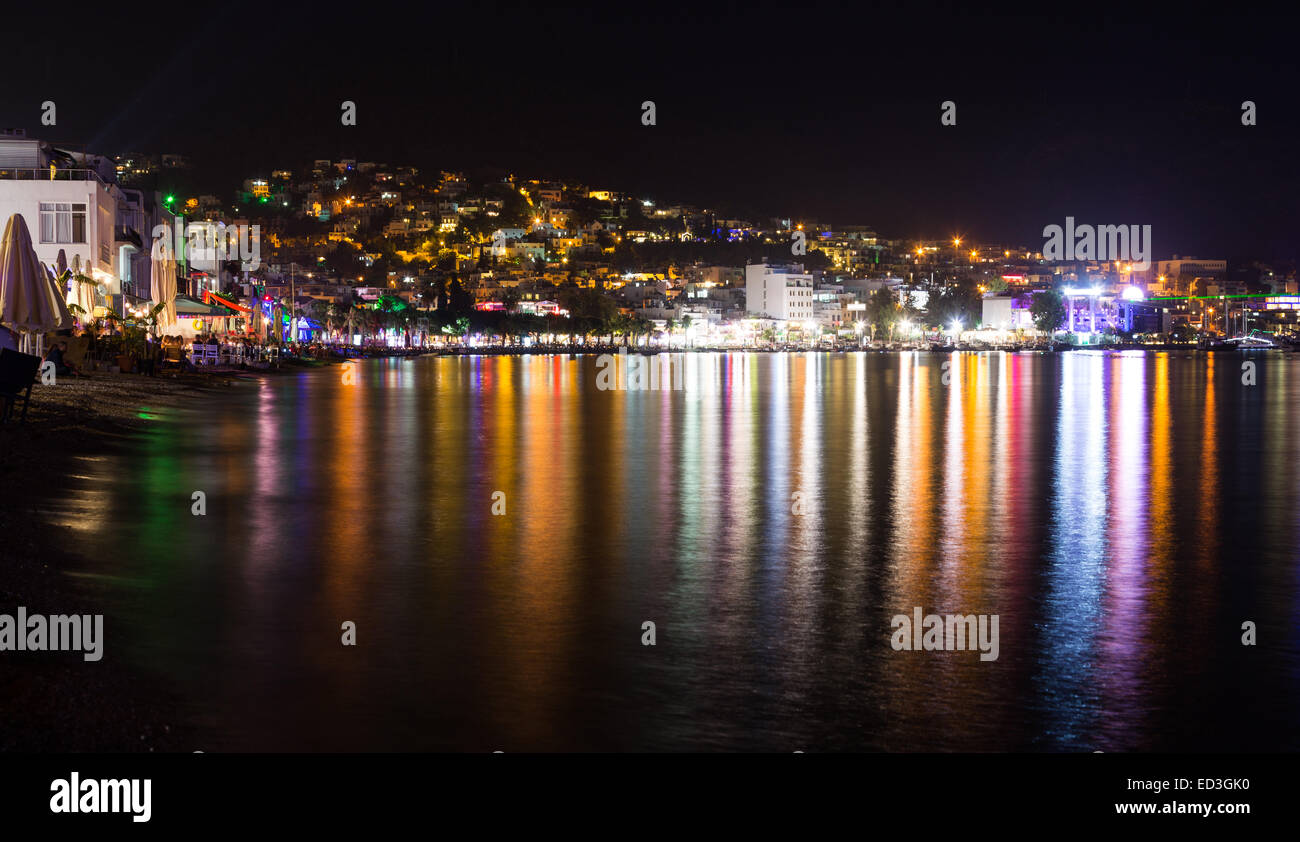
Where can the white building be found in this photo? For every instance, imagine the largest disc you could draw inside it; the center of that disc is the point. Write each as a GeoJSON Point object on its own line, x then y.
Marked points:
{"type": "Point", "coordinates": [832, 306]}
{"type": "Point", "coordinates": [784, 293]}
{"type": "Point", "coordinates": [525, 251]}
{"type": "Point", "coordinates": [1005, 313]}
{"type": "Point", "coordinates": [1191, 266]}
{"type": "Point", "coordinates": [66, 206]}
{"type": "Point", "coordinates": [208, 245]}
{"type": "Point", "coordinates": [71, 202]}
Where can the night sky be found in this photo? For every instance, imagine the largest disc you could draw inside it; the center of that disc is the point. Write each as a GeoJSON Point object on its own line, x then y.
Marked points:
{"type": "Point", "coordinates": [811, 111]}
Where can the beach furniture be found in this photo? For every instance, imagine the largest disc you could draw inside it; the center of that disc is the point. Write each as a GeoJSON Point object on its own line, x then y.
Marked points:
{"type": "Point", "coordinates": [75, 356]}
{"type": "Point", "coordinates": [17, 374]}
{"type": "Point", "coordinates": [173, 356]}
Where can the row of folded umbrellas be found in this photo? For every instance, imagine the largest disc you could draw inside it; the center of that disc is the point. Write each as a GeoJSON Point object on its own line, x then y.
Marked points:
{"type": "Point", "coordinates": [35, 298]}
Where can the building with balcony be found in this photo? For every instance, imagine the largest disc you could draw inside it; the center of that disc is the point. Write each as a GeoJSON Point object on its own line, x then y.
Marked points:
{"type": "Point", "coordinates": [778, 292]}
{"type": "Point", "coordinates": [73, 203]}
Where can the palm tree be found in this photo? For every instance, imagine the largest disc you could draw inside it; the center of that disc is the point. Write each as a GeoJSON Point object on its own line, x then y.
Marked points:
{"type": "Point", "coordinates": [372, 321]}
{"type": "Point", "coordinates": [457, 328]}
{"type": "Point", "coordinates": [338, 315]}
{"type": "Point", "coordinates": [151, 318]}
{"type": "Point", "coordinates": [617, 325]}
{"type": "Point", "coordinates": [641, 326]}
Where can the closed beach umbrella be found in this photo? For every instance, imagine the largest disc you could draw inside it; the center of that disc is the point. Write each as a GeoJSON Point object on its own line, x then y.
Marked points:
{"type": "Point", "coordinates": [76, 289]}
{"type": "Point", "coordinates": [29, 301]}
{"type": "Point", "coordinates": [163, 270]}
{"type": "Point", "coordinates": [83, 288]}
{"type": "Point", "coordinates": [255, 319]}
{"type": "Point", "coordinates": [59, 290]}
{"type": "Point", "coordinates": [66, 281]}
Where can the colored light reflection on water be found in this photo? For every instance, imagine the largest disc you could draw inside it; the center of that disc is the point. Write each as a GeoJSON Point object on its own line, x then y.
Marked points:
{"type": "Point", "coordinates": [1122, 514]}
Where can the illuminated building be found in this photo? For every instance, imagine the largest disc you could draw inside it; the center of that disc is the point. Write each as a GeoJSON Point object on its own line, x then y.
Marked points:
{"type": "Point", "coordinates": [784, 293]}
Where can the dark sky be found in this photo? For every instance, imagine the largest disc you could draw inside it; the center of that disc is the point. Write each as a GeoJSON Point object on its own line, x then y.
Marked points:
{"type": "Point", "coordinates": [1093, 111]}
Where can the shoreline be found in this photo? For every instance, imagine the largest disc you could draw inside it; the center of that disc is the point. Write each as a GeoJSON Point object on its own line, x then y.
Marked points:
{"type": "Point", "coordinates": [56, 701]}
{"type": "Point", "coordinates": [498, 351]}
{"type": "Point", "coordinates": [341, 354]}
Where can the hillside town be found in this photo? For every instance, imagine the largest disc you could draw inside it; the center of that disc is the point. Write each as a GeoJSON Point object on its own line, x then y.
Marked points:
{"type": "Point", "coordinates": [363, 253]}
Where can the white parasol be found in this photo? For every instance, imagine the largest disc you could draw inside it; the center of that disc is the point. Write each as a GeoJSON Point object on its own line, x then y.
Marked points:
{"type": "Point", "coordinates": [162, 271]}
{"type": "Point", "coordinates": [30, 302]}
{"type": "Point", "coordinates": [83, 288]}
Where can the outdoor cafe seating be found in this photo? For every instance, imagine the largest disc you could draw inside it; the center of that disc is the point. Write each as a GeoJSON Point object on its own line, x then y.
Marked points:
{"type": "Point", "coordinates": [203, 354]}
{"type": "Point", "coordinates": [210, 354]}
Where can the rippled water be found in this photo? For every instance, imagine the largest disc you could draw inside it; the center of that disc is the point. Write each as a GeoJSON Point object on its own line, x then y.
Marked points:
{"type": "Point", "coordinates": [1122, 514]}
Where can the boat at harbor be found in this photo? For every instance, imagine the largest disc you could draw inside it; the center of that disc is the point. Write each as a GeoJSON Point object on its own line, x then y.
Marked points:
{"type": "Point", "coordinates": [1255, 340]}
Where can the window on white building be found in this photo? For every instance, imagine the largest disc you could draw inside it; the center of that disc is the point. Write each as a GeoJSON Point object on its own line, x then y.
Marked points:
{"type": "Point", "coordinates": [63, 222]}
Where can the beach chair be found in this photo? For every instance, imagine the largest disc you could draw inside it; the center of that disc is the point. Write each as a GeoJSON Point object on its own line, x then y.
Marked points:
{"type": "Point", "coordinates": [173, 357]}
{"type": "Point", "coordinates": [75, 356]}
{"type": "Point", "coordinates": [17, 374]}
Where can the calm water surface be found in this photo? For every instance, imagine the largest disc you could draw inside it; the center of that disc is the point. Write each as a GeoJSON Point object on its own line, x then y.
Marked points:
{"type": "Point", "coordinates": [1123, 514]}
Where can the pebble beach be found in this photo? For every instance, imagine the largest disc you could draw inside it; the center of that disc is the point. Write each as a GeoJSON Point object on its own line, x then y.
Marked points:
{"type": "Point", "coordinates": [56, 701]}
